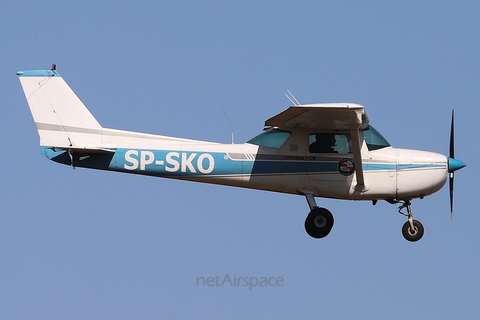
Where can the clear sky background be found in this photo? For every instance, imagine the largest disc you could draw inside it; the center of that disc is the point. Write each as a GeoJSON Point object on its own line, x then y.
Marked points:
{"type": "Point", "coordinates": [85, 244]}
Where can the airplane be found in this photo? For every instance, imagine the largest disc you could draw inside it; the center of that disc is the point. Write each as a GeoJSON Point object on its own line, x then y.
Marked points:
{"type": "Point", "coordinates": [326, 150]}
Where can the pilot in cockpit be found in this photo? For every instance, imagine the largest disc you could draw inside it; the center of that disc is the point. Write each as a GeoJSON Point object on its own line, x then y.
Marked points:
{"type": "Point", "coordinates": [324, 143]}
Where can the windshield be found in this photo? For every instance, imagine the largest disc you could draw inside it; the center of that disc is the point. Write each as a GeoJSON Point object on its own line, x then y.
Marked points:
{"type": "Point", "coordinates": [272, 138]}
{"type": "Point", "coordinates": [374, 139]}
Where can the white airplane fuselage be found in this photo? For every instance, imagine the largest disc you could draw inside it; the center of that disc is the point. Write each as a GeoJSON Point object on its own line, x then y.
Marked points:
{"type": "Point", "coordinates": [390, 173]}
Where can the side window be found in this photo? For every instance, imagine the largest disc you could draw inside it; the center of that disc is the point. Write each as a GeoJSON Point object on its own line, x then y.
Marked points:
{"type": "Point", "coordinates": [273, 138]}
{"type": "Point", "coordinates": [330, 143]}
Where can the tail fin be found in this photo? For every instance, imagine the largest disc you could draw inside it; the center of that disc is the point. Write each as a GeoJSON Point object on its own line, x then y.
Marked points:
{"type": "Point", "coordinates": [62, 120]}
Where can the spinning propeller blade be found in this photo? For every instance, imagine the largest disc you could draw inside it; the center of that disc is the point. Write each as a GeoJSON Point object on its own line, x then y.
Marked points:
{"type": "Point", "coordinates": [453, 164]}
{"type": "Point", "coordinates": [452, 156]}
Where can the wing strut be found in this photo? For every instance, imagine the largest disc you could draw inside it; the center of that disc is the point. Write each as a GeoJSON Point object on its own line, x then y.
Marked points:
{"type": "Point", "coordinates": [357, 156]}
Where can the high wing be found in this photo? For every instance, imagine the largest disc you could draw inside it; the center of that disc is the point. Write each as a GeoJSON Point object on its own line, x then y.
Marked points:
{"type": "Point", "coordinates": [328, 116]}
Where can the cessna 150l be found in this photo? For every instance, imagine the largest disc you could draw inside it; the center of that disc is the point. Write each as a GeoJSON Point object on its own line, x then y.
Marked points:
{"type": "Point", "coordinates": [315, 150]}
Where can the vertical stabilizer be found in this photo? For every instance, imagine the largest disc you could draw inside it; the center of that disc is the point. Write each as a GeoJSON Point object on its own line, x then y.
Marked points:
{"type": "Point", "coordinates": [62, 120]}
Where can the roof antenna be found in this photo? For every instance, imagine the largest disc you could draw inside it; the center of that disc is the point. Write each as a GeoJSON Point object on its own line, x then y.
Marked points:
{"type": "Point", "coordinates": [292, 98]}
{"type": "Point", "coordinates": [231, 127]}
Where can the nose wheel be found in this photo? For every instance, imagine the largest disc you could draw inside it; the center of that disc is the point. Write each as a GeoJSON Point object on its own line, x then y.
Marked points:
{"type": "Point", "coordinates": [414, 233]}
{"type": "Point", "coordinates": [412, 230]}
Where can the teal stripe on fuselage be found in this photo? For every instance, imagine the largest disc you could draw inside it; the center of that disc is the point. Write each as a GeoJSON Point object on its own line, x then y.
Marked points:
{"type": "Point", "coordinates": [378, 166]}
{"type": "Point", "coordinates": [181, 163]}
{"type": "Point", "coordinates": [419, 166]}
{"type": "Point", "coordinates": [174, 163]}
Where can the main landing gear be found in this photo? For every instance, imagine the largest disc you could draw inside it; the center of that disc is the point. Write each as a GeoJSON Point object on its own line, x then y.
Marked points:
{"type": "Point", "coordinates": [319, 221]}
{"type": "Point", "coordinates": [412, 230]}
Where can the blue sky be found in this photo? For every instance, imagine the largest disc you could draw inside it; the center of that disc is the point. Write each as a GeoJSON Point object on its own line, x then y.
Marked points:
{"type": "Point", "coordinates": [78, 244]}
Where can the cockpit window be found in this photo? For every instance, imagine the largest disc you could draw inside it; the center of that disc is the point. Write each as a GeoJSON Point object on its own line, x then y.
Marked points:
{"type": "Point", "coordinates": [374, 139]}
{"type": "Point", "coordinates": [272, 138]}
{"type": "Point", "coordinates": [330, 143]}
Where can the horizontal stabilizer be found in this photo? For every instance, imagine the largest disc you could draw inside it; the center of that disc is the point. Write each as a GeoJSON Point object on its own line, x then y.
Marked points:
{"type": "Point", "coordinates": [85, 150]}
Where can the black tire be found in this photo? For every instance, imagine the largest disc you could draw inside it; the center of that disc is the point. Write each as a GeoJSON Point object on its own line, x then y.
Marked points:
{"type": "Point", "coordinates": [319, 223]}
{"type": "Point", "coordinates": [413, 235]}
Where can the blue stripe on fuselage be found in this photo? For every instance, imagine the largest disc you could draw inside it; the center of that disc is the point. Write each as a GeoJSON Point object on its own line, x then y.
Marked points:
{"type": "Point", "coordinates": [179, 163]}
{"type": "Point", "coordinates": [379, 166]}
{"type": "Point", "coordinates": [175, 163]}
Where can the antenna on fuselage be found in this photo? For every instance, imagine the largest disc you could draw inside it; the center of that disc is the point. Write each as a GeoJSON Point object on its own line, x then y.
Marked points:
{"type": "Point", "coordinates": [231, 127]}
{"type": "Point", "coordinates": [292, 98]}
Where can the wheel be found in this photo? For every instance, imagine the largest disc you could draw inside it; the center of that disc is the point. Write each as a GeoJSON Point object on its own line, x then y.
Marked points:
{"type": "Point", "coordinates": [319, 222]}
{"type": "Point", "coordinates": [415, 234]}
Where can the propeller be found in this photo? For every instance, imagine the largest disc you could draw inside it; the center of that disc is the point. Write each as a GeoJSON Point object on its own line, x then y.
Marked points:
{"type": "Point", "coordinates": [453, 164]}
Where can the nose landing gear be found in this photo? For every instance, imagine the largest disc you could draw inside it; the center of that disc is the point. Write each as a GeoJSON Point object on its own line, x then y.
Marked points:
{"type": "Point", "coordinates": [412, 230]}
